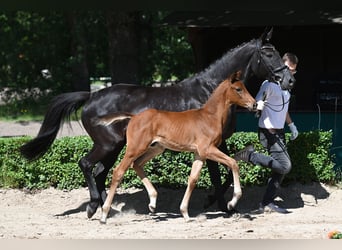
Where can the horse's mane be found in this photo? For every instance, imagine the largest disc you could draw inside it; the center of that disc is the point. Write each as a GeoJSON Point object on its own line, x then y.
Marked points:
{"type": "Point", "coordinates": [217, 71]}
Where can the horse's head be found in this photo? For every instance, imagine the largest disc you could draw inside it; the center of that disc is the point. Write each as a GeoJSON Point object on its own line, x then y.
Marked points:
{"type": "Point", "coordinates": [268, 64]}
{"type": "Point", "coordinates": [238, 93]}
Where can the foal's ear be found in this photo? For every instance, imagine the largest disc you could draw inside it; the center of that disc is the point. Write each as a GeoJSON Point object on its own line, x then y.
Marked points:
{"type": "Point", "coordinates": [236, 76]}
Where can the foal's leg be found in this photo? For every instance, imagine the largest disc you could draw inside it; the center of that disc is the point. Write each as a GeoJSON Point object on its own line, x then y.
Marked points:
{"type": "Point", "coordinates": [192, 180]}
{"type": "Point", "coordinates": [216, 155]}
{"type": "Point", "coordinates": [215, 178]}
{"type": "Point", "coordinates": [215, 175]}
{"type": "Point", "coordinates": [118, 174]}
{"type": "Point", "coordinates": [139, 169]}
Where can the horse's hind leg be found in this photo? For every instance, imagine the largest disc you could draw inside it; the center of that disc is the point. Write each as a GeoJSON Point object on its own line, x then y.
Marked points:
{"type": "Point", "coordinates": [192, 180]}
{"type": "Point", "coordinates": [139, 169]}
{"type": "Point", "coordinates": [87, 164]}
{"type": "Point", "coordinates": [102, 168]}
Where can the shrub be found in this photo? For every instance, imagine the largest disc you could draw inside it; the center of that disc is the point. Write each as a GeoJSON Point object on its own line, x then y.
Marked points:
{"type": "Point", "coordinates": [59, 166]}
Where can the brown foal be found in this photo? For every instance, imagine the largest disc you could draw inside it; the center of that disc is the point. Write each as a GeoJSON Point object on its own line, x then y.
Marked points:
{"type": "Point", "coordinates": [152, 131]}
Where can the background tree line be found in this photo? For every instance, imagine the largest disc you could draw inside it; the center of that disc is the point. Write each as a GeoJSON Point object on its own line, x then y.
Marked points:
{"type": "Point", "coordinates": [74, 46]}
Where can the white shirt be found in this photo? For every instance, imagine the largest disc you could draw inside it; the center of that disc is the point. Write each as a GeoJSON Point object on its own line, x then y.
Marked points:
{"type": "Point", "coordinates": [276, 106]}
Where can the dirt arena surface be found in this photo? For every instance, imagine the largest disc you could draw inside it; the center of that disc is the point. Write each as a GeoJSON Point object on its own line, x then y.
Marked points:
{"type": "Point", "coordinates": [31, 128]}
{"type": "Point", "coordinates": [57, 214]}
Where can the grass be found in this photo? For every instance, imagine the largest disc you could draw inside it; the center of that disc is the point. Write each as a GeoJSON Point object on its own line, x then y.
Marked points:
{"type": "Point", "coordinates": [22, 111]}
{"type": "Point", "coordinates": [26, 109]}
{"type": "Point", "coordinates": [30, 108]}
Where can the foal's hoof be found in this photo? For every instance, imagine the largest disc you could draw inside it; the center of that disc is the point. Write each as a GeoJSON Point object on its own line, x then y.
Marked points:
{"type": "Point", "coordinates": [103, 221]}
{"type": "Point", "coordinates": [91, 209]}
{"type": "Point", "coordinates": [232, 212]}
{"type": "Point", "coordinates": [152, 208]}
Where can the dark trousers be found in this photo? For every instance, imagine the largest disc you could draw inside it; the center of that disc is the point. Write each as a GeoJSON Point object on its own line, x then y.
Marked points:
{"type": "Point", "coordinates": [278, 160]}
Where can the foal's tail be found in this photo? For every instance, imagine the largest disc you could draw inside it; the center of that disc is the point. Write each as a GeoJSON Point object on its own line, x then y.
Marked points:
{"type": "Point", "coordinates": [111, 118]}
{"type": "Point", "coordinates": [60, 109]}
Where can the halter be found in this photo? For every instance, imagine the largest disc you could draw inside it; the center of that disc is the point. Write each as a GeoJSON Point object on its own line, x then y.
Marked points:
{"type": "Point", "coordinates": [273, 72]}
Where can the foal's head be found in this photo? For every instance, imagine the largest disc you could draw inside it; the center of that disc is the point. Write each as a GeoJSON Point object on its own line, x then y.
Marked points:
{"type": "Point", "coordinates": [238, 94]}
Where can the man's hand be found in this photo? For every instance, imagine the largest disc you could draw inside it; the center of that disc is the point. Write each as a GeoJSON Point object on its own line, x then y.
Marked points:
{"type": "Point", "coordinates": [294, 131]}
{"type": "Point", "coordinates": [260, 105]}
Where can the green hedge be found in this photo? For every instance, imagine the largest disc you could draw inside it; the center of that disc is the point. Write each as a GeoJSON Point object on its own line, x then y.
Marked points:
{"type": "Point", "coordinates": [59, 166]}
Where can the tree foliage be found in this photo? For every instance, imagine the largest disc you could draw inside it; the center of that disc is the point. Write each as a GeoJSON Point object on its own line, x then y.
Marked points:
{"type": "Point", "coordinates": [33, 41]}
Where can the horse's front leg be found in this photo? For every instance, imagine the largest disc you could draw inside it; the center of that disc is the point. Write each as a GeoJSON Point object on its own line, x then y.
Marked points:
{"type": "Point", "coordinates": [216, 155]}
{"type": "Point", "coordinates": [192, 180]}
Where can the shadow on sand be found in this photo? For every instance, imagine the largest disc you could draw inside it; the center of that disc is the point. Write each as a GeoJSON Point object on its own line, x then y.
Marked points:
{"type": "Point", "coordinates": [292, 196]}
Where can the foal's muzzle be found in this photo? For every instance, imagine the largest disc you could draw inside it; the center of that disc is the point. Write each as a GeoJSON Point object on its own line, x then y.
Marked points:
{"type": "Point", "coordinates": [254, 107]}
{"type": "Point", "coordinates": [251, 107]}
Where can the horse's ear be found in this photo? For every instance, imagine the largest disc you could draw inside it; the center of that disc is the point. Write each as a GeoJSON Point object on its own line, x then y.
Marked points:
{"type": "Point", "coordinates": [237, 76]}
{"type": "Point", "coordinates": [267, 35]}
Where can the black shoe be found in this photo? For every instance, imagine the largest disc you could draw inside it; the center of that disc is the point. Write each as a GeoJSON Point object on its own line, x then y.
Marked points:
{"type": "Point", "coordinates": [244, 154]}
{"type": "Point", "coordinates": [271, 207]}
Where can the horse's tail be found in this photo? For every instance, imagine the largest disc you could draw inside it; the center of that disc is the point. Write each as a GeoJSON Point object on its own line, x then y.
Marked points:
{"type": "Point", "coordinates": [111, 118]}
{"type": "Point", "coordinates": [60, 109]}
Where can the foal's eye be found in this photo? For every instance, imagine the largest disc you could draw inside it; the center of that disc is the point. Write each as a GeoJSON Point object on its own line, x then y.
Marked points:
{"type": "Point", "coordinates": [238, 90]}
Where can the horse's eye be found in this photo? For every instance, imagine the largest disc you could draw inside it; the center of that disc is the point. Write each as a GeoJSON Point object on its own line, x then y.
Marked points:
{"type": "Point", "coordinates": [238, 90]}
{"type": "Point", "coordinates": [268, 53]}
{"type": "Point", "coordinates": [278, 78]}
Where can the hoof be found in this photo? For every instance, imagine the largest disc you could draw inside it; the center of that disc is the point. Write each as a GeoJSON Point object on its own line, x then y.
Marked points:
{"type": "Point", "coordinates": [188, 220]}
{"type": "Point", "coordinates": [103, 222]}
{"type": "Point", "coordinates": [230, 206]}
{"type": "Point", "coordinates": [91, 209]}
{"type": "Point", "coordinates": [222, 205]}
{"type": "Point", "coordinates": [232, 212]}
{"type": "Point", "coordinates": [152, 209]}
{"type": "Point", "coordinates": [210, 201]}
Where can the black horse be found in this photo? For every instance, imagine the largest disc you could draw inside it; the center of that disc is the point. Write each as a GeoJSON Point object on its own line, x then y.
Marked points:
{"type": "Point", "coordinates": [257, 57]}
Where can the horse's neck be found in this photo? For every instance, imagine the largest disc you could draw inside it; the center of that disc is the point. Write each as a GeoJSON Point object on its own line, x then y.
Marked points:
{"type": "Point", "coordinates": [204, 83]}
{"type": "Point", "coordinates": [234, 60]}
{"type": "Point", "coordinates": [218, 103]}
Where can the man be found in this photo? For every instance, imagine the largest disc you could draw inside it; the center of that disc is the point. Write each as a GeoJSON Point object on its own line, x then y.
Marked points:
{"type": "Point", "coordinates": [273, 103]}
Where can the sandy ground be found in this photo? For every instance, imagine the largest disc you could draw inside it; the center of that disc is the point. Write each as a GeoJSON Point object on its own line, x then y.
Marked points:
{"type": "Point", "coordinates": [56, 214]}
{"type": "Point", "coordinates": [315, 210]}
{"type": "Point", "coordinates": [22, 128]}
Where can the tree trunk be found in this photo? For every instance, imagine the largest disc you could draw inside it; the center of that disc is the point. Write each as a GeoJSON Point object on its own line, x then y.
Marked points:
{"type": "Point", "coordinates": [78, 48]}
{"type": "Point", "coordinates": [124, 46]}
